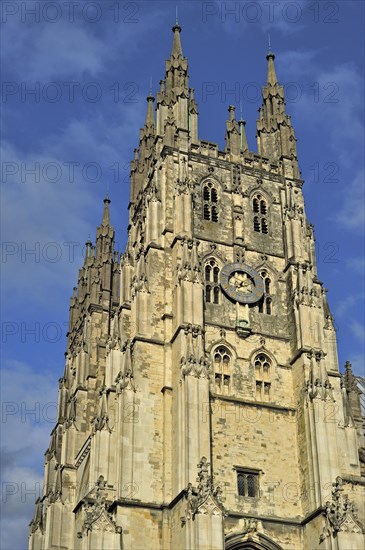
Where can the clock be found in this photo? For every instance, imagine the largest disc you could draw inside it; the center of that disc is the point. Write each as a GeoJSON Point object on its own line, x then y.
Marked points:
{"type": "Point", "coordinates": [241, 283]}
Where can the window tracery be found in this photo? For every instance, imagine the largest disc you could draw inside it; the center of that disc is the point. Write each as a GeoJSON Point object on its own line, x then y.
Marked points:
{"type": "Point", "coordinates": [263, 368]}
{"type": "Point", "coordinates": [260, 211]}
{"type": "Point", "coordinates": [265, 303]}
{"type": "Point", "coordinates": [212, 287]}
{"type": "Point", "coordinates": [222, 370]}
{"type": "Point", "coordinates": [210, 202]}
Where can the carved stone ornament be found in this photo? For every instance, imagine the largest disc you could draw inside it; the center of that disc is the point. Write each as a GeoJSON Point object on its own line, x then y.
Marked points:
{"type": "Point", "coordinates": [125, 379]}
{"type": "Point", "coordinates": [101, 420]}
{"type": "Point", "coordinates": [114, 336]}
{"type": "Point", "coordinates": [194, 361]}
{"type": "Point", "coordinates": [55, 492]}
{"type": "Point", "coordinates": [37, 521]}
{"type": "Point", "coordinates": [318, 386]}
{"type": "Point", "coordinates": [71, 412]}
{"type": "Point", "coordinates": [96, 515]}
{"type": "Point", "coordinates": [190, 266]}
{"type": "Point", "coordinates": [205, 498]}
{"type": "Point", "coordinates": [340, 513]}
{"type": "Point", "coordinates": [249, 527]}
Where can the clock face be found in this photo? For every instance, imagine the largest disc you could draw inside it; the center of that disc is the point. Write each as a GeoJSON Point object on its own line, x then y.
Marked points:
{"type": "Point", "coordinates": [241, 283]}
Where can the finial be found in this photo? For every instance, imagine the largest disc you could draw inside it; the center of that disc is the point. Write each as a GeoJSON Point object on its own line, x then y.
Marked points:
{"type": "Point", "coordinates": [150, 86]}
{"type": "Point", "coordinates": [270, 54]}
{"type": "Point", "coordinates": [176, 27]}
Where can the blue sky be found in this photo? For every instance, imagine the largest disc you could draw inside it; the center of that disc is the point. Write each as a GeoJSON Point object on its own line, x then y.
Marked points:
{"type": "Point", "coordinates": [70, 141]}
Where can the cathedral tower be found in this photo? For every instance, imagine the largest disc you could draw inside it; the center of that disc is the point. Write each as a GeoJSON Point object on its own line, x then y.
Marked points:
{"type": "Point", "coordinates": [202, 407]}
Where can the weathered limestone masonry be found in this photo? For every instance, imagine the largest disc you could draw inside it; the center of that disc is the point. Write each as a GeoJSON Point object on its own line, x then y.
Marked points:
{"type": "Point", "coordinates": [202, 405]}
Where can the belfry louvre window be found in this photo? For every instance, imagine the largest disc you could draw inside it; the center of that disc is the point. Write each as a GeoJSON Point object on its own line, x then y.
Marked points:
{"type": "Point", "coordinates": [212, 289]}
{"type": "Point", "coordinates": [222, 370]}
{"type": "Point", "coordinates": [210, 202]}
{"type": "Point", "coordinates": [265, 303]}
{"type": "Point", "coordinates": [259, 207]}
{"type": "Point", "coordinates": [247, 483]}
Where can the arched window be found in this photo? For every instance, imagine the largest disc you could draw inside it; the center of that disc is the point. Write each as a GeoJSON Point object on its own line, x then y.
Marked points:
{"type": "Point", "coordinates": [210, 202]}
{"type": "Point", "coordinates": [264, 304]}
{"type": "Point", "coordinates": [263, 367]}
{"type": "Point", "coordinates": [222, 370]}
{"type": "Point", "coordinates": [212, 289]}
{"type": "Point", "coordinates": [260, 209]}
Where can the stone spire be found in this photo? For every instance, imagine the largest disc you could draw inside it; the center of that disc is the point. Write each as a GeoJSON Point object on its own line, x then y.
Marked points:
{"type": "Point", "coordinates": [175, 100]}
{"type": "Point", "coordinates": [97, 279]}
{"type": "Point", "coordinates": [176, 77]}
{"type": "Point", "coordinates": [106, 214]}
{"type": "Point", "coordinates": [271, 73]}
{"type": "Point", "coordinates": [275, 134]}
{"type": "Point", "coordinates": [176, 45]}
{"type": "Point", "coordinates": [147, 135]}
{"type": "Point", "coordinates": [150, 115]}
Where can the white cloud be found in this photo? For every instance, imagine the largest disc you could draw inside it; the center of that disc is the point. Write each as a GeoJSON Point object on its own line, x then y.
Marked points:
{"type": "Point", "coordinates": [25, 436]}
{"type": "Point", "coordinates": [351, 213]}
{"type": "Point", "coordinates": [356, 264]}
{"type": "Point", "coordinates": [21, 487]}
{"type": "Point", "coordinates": [74, 47]}
{"type": "Point", "coordinates": [328, 95]}
{"type": "Point", "coordinates": [75, 50]}
{"type": "Point", "coordinates": [358, 330]}
{"type": "Point", "coordinates": [347, 303]}
{"type": "Point", "coordinates": [235, 17]}
{"type": "Point", "coordinates": [44, 215]}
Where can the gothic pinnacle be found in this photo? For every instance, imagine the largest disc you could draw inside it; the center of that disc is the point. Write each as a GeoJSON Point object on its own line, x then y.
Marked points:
{"type": "Point", "coordinates": [231, 110]}
{"type": "Point", "coordinates": [106, 214]}
{"type": "Point", "coordinates": [271, 73]}
{"type": "Point", "coordinates": [88, 245]}
{"type": "Point", "coordinates": [150, 116]}
{"type": "Point", "coordinates": [243, 138]}
{"type": "Point", "coordinates": [176, 46]}
{"type": "Point", "coordinates": [232, 132]}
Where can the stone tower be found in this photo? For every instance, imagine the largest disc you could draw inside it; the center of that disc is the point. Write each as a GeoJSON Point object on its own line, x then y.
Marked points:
{"type": "Point", "coordinates": [202, 407]}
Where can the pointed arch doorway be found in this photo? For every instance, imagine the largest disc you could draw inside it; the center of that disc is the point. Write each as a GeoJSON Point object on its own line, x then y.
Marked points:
{"type": "Point", "coordinates": [251, 541]}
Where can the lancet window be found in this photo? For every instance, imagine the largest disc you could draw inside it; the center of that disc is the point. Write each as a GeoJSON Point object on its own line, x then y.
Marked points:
{"type": "Point", "coordinates": [212, 288]}
{"type": "Point", "coordinates": [265, 304]}
{"type": "Point", "coordinates": [263, 372]}
{"type": "Point", "coordinates": [222, 370]}
{"type": "Point", "coordinates": [210, 202]}
{"type": "Point", "coordinates": [260, 212]}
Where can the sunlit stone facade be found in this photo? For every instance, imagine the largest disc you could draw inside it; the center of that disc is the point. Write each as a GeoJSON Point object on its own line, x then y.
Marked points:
{"type": "Point", "coordinates": [201, 405]}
